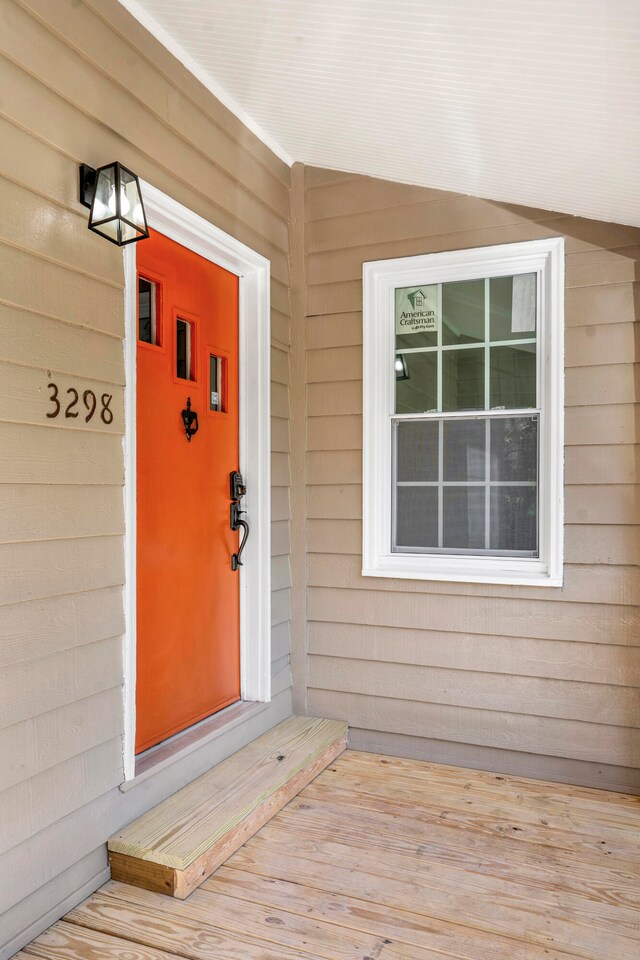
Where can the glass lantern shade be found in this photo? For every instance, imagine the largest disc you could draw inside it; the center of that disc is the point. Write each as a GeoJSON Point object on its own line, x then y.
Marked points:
{"type": "Point", "coordinates": [117, 211]}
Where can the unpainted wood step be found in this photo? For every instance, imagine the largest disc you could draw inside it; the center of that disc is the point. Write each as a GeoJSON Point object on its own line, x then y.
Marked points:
{"type": "Point", "coordinates": [175, 846]}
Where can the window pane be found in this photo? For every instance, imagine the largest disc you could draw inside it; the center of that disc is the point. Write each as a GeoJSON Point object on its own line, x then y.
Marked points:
{"type": "Point", "coordinates": [417, 392]}
{"type": "Point", "coordinates": [513, 376]}
{"type": "Point", "coordinates": [514, 449]}
{"type": "Point", "coordinates": [147, 297]}
{"type": "Point", "coordinates": [183, 350]}
{"type": "Point", "coordinates": [216, 368]}
{"type": "Point", "coordinates": [514, 520]}
{"type": "Point", "coordinates": [464, 450]}
{"type": "Point", "coordinates": [478, 511]}
{"type": "Point", "coordinates": [417, 316]}
{"type": "Point", "coordinates": [464, 521]}
{"type": "Point", "coordinates": [417, 454]}
{"type": "Point", "coordinates": [463, 379]}
{"type": "Point", "coordinates": [417, 517]}
{"type": "Point", "coordinates": [463, 312]}
{"type": "Point", "coordinates": [513, 307]}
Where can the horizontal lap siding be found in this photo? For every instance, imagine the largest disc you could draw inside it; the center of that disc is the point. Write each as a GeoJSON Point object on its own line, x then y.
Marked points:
{"type": "Point", "coordinates": [89, 84]}
{"type": "Point", "coordinates": [523, 679]}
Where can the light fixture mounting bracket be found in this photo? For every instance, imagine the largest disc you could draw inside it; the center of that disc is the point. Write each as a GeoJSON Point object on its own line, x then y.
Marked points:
{"type": "Point", "coordinates": [87, 184]}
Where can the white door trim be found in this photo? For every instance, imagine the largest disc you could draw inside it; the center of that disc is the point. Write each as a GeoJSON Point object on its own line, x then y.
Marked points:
{"type": "Point", "coordinates": [187, 228]}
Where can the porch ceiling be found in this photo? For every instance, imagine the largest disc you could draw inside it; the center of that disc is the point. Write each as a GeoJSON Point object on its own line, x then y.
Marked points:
{"type": "Point", "coordinates": [527, 103]}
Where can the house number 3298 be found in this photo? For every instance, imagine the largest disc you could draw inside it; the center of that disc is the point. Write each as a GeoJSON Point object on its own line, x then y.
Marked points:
{"type": "Point", "coordinates": [68, 404]}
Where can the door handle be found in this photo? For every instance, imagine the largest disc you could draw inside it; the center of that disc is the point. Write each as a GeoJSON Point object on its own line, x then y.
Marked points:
{"type": "Point", "coordinates": [237, 491]}
{"type": "Point", "coordinates": [236, 523]}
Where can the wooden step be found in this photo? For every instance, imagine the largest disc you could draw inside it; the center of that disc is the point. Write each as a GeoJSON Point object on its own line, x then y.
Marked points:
{"type": "Point", "coordinates": [173, 848]}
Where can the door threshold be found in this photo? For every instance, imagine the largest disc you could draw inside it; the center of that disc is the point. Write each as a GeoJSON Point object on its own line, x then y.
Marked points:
{"type": "Point", "coordinates": [181, 744]}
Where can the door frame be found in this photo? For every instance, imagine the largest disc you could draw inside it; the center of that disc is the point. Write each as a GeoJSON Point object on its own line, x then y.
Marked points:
{"type": "Point", "coordinates": [253, 270]}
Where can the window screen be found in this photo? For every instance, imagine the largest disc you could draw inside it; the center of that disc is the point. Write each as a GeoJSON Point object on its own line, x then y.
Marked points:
{"type": "Point", "coordinates": [467, 484]}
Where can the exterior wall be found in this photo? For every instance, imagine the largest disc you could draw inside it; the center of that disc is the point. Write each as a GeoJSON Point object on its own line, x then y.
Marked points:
{"type": "Point", "coordinates": [535, 681]}
{"type": "Point", "coordinates": [83, 82]}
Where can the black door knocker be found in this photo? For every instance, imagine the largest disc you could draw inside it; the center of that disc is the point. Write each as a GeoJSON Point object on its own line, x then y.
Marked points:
{"type": "Point", "coordinates": [190, 420]}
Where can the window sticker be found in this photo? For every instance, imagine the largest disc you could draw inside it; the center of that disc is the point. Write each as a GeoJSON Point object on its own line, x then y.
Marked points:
{"type": "Point", "coordinates": [417, 309]}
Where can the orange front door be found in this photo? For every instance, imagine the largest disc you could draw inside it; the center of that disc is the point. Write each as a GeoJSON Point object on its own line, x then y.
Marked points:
{"type": "Point", "coordinates": [188, 647]}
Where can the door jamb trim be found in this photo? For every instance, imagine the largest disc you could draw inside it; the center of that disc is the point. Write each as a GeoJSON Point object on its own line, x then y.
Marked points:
{"type": "Point", "coordinates": [253, 270]}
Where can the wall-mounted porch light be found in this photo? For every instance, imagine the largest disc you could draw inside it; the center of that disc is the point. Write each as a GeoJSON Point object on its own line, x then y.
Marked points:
{"type": "Point", "coordinates": [113, 194]}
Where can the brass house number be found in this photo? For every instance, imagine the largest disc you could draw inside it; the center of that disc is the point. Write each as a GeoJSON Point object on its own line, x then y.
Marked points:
{"type": "Point", "coordinates": [68, 404]}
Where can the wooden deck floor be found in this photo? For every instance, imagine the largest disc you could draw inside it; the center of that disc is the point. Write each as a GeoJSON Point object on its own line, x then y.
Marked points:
{"type": "Point", "coordinates": [390, 859]}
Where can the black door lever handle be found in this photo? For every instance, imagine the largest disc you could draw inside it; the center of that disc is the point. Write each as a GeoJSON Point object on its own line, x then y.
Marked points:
{"type": "Point", "coordinates": [235, 522]}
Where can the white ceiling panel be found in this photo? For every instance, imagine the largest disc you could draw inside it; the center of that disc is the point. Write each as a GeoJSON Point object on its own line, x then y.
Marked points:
{"type": "Point", "coordinates": [534, 103]}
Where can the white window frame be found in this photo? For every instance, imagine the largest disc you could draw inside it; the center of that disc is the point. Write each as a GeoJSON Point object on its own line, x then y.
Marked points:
{"type": "Point", "coordinates": [380, 280]}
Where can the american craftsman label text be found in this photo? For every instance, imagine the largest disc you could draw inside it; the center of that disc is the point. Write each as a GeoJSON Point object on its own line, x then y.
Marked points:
{"type": "Point", "coordinates": [417, 309]}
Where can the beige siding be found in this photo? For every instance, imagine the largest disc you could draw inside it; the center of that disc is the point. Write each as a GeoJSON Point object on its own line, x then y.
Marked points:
{"type": "Point", "coordinates": [87, 83]}
{"type": "Point", "coordinates": [529, 680]}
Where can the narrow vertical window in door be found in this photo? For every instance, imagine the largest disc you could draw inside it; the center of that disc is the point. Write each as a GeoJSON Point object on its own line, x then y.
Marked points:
{"type": "Point", "coordinates": [188, 597]}
{"type": "Point", "coordinates": [148, 296]}
{"type": "Point", "coordinates": [184, 368]}
{"type": "Point", "coordinates": [216, 384]}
